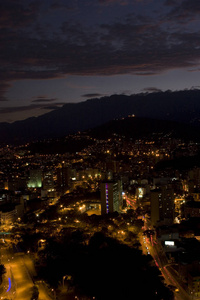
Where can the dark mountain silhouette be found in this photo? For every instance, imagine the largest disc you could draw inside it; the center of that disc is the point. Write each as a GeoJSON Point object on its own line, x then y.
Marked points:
{"type": "Point", "coordinates": [138, 128]}
{"type": "Point", "coordinates": [131, 127]}
{"type": "Point", "coordinates": [181, 106]}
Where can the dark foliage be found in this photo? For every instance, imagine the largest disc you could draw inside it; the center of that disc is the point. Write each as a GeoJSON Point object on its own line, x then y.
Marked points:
{"type": "Point", "coordinates": [114, 271]}
{"type": "Point", "coordinates": [105, 268]}
{"type": "Point", "coordinates": [2, 271]}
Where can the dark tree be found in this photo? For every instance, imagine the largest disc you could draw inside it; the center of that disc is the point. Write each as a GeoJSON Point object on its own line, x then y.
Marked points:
{"type": "Point", "coordinates": [112, 271]}
{"type": "Point", "coordinates": [2, 271]}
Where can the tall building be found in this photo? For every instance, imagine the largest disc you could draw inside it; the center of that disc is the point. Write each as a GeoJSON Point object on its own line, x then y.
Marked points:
{"type": "Point", "coordinates": [48, 180]}
{"type": "Point", "coordinates": [63, 178]}
{"type": "Point", "coordinates": [111, 196]}
{"type": "Point", "coordinates": [162, 205]}
{"type": "Point", "coordinates": [35, 180]}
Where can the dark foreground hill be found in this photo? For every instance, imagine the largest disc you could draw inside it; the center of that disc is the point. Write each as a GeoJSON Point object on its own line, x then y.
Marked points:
{"type": "Point", "coordinates": [131, 127]}
{"type": "Point", "coordinates": [181, 106]}
{"type": "Point", "coordinates": [138, 128]}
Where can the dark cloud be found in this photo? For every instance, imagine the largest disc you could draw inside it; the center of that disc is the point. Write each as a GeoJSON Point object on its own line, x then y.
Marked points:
{"type": "Point", "coordinates": [152, 90]}
{"type": "Point", "coordinates": [52, 107]}
{"type": "Point", "coordinates": [197, 87]}
{"type": "Point", "coordinates": [92, 95]}
{"type": "Point", "coordinates": [43, 99]}
{"type": "Point", "coordinates": [181, 5]}
{"type": "Point", "coordinates": [137, 44]}
{"type": "Point", "coordinates": [172, 2]}
{"type": "Point", "coordinates": [14, 109]}
{"type": "Point", "coordinates": [143, 73]}
{"type": "Point", "coordinates": [108, 2]}
{"type": "Point", "coordinates": [183, 11]}
{"type": "Point", "coordinates": [15, 14]}
{"type": "Point", "coordinates": [3, 88]}
{"type": "Point", "coordinates": [66, 6]}
{"type": "Point", "coordinates": [117, 48]}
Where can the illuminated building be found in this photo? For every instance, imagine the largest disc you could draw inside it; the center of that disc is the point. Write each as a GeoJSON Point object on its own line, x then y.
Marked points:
{"type": "Point", "coordinates": [162, 205]}
{"type": "Point", "coordinates": [111, 196]}
{"type": "Point", "coordinates": [8, 215]}
{"type": "Point", "coordinates": [88, 173]}
{"type": "Point", "coordinates": [35, 180]}
{"type": "Point", "coordinates": [140, 192]}
{"type": "Point", "coordinates": [63, 178]}
{"type": "Point", "coordinates": [48, 180]}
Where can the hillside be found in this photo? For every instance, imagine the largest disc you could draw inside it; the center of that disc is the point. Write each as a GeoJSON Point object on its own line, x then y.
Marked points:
{"type": "Point", "coordinates": [181, 106]}
{"type": "Point", "coordinates": [131, 127]}
{"type": "Point", "coordinates": [138, 128]}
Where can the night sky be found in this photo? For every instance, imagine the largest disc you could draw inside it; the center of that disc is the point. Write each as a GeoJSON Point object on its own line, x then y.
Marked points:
{"type": "Point", "coordinates": [56, 52]}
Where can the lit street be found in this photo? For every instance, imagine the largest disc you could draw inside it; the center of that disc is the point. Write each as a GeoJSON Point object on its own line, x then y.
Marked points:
{"type": "Point", "coordinates": [19, 277]}
{"type": "Point", "coordinates": [21, 281]}
{"type": "Point", "coordinates": [168, 273]}
{"type": "Point", "coordinates": [44, 293]}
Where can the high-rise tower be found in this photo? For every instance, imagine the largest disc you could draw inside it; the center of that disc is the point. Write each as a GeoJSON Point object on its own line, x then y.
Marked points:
{"type": "Point", "coordinates": [111, 196]}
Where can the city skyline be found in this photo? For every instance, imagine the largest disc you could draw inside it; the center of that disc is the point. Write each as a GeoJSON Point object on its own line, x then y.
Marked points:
{"type": "Point", "coordinates": [65, 223]}
{"type": "Point", "coordinates": [57, 52]}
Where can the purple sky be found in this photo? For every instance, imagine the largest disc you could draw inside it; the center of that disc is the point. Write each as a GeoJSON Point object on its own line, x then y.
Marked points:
{"type": "Point", "coordinates": [54, 52]}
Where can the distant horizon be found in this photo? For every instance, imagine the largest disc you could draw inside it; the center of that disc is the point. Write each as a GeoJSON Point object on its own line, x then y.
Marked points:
{"type": "Point", "coordinates": [90, 98]}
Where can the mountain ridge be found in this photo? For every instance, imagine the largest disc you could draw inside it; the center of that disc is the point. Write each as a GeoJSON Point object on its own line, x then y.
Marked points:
{"type": "Point", "coordinates": [181, 106]}
{"type": "Point", "coordinates": [131, 128]}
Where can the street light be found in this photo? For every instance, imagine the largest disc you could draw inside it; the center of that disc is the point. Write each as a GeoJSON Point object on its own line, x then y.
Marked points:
{"type": "Point", "coordinates": [69, 277]}
{"type": "Point", "coordinates": [54, 293]}
{"type": "Point", "coordinates": [64, 279]}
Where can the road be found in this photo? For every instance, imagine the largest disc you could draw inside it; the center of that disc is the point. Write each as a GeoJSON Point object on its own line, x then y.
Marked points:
{"type": "Point", "coordinates": [153, 247]}
{"type": "Point", "coordinates": [166, 269]}
{"type": "Point", "coordinates": [19, 279]}
{"type": "Point", "coordinates": [44, 292]}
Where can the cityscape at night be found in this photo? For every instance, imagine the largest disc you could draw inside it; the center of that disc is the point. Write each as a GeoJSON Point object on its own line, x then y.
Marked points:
{"type": "Point", "coordinates": [99, 150]}
{"type": "Point", "coordinates": [115, 209]}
